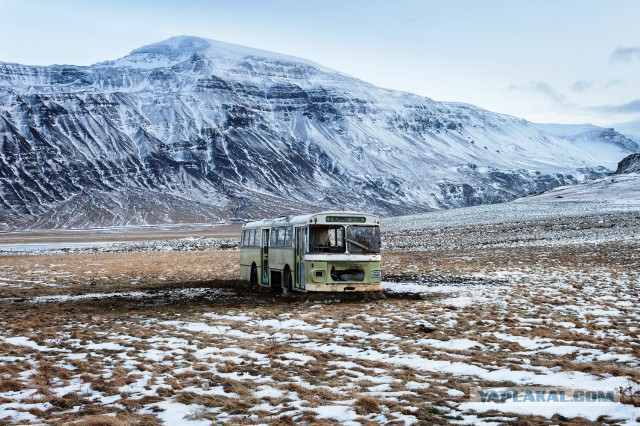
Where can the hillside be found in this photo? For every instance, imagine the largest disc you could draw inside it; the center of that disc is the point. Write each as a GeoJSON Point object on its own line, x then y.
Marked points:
{"type": "Point", "coordinates": [195, 130]}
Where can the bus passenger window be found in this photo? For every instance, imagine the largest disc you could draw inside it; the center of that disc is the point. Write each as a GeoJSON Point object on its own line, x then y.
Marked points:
{"type": "Point", "coordinates": [288, 234]}
{"type": "Point", "coordinates": [339, 237]}
{"type": "Point", "coordinates": [281, 236]}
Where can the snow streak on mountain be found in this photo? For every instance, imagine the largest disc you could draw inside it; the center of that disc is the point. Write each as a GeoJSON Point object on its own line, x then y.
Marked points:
{"type": "Point", "coordinates": [194, 130]}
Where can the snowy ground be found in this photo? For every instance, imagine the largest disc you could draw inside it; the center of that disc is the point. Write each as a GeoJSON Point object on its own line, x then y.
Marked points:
{"type": "Point", "coordinates": [601, 211]}
{"type": "Point", "coordinates": [179, 244]}
{"type": "Point", "coordinates": [123, 239]}
{"type": "Point", "coordinates": [495, 300]}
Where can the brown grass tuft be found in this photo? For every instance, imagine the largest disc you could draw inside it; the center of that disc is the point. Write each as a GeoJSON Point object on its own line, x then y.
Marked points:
{"type": "Point", "coordinates": [366, 405]}
{"type": "Point", "coordinates": [102, 421]}
{"type": "Point", "coordinates": [11, 385]}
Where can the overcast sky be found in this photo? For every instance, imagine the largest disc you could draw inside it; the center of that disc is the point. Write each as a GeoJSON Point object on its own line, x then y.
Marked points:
{"type": "Point", "coordinates": [547, 61]}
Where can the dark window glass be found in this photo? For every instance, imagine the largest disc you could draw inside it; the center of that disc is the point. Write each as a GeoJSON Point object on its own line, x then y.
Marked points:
{"type": "Point", "coordinates": [363, 239]}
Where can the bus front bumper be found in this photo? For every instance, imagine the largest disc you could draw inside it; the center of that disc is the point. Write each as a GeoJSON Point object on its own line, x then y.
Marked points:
{"type": "Point", "coordinates": [343, 287]}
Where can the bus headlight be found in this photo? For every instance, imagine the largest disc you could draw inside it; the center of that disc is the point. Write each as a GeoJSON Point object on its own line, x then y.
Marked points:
{"type": "Point", "coordinates": [318, 276]}
{"type": "Point", "coordinates": [376, 274]}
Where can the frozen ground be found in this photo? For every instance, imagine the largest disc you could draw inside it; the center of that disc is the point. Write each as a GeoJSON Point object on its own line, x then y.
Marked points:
{"type": "Point", "coordinates": [601, 211]}
{"type": "Point", "coordinates": [180, 244]}
{"type": "Point", "coordinates": [228, 355]}
{"type": "Point", "coordinates": [492, 297]}
{"type": "Point", "coordinates": [123, 239]}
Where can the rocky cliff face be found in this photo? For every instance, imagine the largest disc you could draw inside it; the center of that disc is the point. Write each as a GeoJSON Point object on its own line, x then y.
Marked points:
{"type": "Point", "coordinates": [630, 164]}
{"type": "Point", "coordinates": [193, 130]}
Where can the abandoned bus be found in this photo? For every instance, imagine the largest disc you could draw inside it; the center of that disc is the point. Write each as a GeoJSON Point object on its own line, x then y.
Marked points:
{"type": "Point", "coordinates": [327, 251]}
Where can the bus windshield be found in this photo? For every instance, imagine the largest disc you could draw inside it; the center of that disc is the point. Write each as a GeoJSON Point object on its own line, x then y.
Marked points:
{"type": "Point", "coordinates": [363, 239]}
{"type": "Point", "coordinates": [326, 239]}
{"type": "Point", "coordinates": [336, 239]}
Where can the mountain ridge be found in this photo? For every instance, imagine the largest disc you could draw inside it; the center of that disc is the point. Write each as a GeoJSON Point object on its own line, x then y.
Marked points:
{"type": "Point", "coordinates": [242, 134]}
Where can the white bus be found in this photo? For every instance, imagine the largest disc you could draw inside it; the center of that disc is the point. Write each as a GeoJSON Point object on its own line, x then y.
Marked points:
{"type": "Point", "coordinates": [331, 251]}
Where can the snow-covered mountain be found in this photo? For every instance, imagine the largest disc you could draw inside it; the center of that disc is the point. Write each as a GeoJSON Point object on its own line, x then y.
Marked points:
{"type": "Point", "coordinates": [608, 144]}
{"type": "Point", "coordinates": [193, 130]}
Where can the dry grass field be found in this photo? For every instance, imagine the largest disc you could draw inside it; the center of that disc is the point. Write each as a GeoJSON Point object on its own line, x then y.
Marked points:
{"type": "Point", "coordinates": [173, 337]}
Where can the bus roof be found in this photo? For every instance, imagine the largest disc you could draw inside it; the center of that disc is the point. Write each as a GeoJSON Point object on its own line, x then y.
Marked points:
{"type": "Point", "coordinates": [320, 218]}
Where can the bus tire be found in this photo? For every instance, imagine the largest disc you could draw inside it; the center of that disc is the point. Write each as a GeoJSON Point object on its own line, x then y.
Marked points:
{"type": "Point", "coordinates": [254, 276]}
{"type": "Point", "coordinates": [286, 281]}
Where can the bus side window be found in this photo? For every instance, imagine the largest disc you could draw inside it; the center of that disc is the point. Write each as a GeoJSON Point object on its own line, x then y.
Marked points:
{"type": "Point", "coordinates": [274, 237]}
{"type": "Point", "coordinates": [245, 238]}
{"type": "Point", "coordinates": [288, 236]}
{"type": "Point", "coordinates": [252, 238]}
{"type": "Point", "coordinates": [340, 237]}
{"type": "Point", "coordinates": [281, 235]}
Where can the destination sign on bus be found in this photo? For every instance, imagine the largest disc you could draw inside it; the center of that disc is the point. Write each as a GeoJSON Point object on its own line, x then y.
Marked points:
{"type": "Point", "coordinates": [353, 219]}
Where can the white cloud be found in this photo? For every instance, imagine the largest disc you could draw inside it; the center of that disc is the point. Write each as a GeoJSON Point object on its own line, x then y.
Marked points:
{"type": "Point", "coordinates": [627, 108]}
{"type": "Point", "coordinates": [625, 54]}
{"type": "Point", "coordinates": [542, 88]}
{"type": "Point", "coordinates": [581, 85]}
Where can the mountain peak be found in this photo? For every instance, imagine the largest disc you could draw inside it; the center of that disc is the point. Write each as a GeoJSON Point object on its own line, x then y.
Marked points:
{"type": "Point", "coordinates": [180, 48]}
{"type": "Point", "coordinates": [175, 47]}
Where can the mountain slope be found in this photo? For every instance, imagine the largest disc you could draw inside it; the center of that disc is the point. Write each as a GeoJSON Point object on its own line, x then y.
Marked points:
{"type": "Point", "coordinates": [608, 144]}
{"type": "Point", "coordinates": [195, 130]}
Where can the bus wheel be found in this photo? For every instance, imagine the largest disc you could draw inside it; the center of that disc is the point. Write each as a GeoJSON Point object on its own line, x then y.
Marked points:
{"type": "Point", "coordinates": [286, 282]}
{"type": "Point", "coordinates": [254, 276]}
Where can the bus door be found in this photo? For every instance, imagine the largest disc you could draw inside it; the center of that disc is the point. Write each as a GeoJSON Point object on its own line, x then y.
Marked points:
{"type": "Point", "coordinates": [301, 248]}
{"type": "Point", "coordinates": [265, 257]}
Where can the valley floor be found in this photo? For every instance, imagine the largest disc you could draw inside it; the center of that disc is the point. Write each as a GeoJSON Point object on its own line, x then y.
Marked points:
{"type": "Point", "coordinates": [151, 333]}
